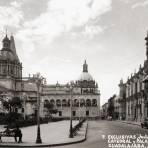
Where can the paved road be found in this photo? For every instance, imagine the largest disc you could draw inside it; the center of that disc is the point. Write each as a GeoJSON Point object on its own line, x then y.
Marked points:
{"type": "Point", "coordinates": [98, 128]}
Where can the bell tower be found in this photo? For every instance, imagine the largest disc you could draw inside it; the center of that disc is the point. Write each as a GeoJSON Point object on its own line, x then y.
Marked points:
{"type": "Point", "coordinates": [146, 38]}
{"type": "Point", "coordinates": [146, 61]}
{"type": "Point", "coordinates": [6, 43]}
{"type": "Point", "coordinates": [10, 65]}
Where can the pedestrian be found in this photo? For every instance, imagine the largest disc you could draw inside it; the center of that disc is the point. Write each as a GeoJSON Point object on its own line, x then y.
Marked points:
{"type": "Point", "coordinates": [18, 133]}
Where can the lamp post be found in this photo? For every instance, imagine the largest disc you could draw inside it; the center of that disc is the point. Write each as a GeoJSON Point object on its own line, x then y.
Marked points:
{"type": "Point", "coordinates": [24, 102]}
{"type": "Point", "coordinates": [70, 130]}
{"type": "Point", "coordinates": [39, 81]}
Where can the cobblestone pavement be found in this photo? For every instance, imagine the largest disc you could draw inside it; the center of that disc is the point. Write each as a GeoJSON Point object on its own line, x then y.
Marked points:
{"type": "Point", "coordinates": [98, 128]}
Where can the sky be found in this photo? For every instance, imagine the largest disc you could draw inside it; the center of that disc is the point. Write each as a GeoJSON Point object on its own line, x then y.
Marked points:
{"type": "Point", "coordinates": [54, 37]}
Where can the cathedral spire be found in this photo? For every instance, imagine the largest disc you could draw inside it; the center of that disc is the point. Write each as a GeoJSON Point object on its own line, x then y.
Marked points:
{"type": "Point", "coordinates": [146, 38]}
{"type": "Point", "coordinates": [85, 67]}
{"type": "Point", "coordinates": [12, 44]}
{"type": "Point", "coordinates": [12, 47]}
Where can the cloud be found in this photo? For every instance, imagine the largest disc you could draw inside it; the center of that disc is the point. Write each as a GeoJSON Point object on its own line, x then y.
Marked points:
{"type": "Point", "coordinates": [91, 30]}
{"type": "Point", "coordinates": [140, 4]}
{"type": "Point", "coordinates": [63, 16]}
{"type": "Point", "coordinates": [11, 15]}
{"type": "Point", "coordinates": [125, 1]}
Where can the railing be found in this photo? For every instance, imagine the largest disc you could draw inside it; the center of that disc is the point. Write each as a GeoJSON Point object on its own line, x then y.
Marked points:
{"type": "Point", "coordinates": [77, 127]}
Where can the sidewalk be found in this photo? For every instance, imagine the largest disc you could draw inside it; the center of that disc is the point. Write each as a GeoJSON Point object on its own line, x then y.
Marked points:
{"type": "Point", "coordinates": [52, 134]}
{"type": "Point", "coordinates": [131, 122]}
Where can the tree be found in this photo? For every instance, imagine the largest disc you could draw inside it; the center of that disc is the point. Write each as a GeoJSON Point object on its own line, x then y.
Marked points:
{"type": "Point", "coordinates": [15, 102]}
{"type": "Point", "coordinates": [6, 105]}
{"type": "Point", "coordinates": [10, 105]}
{"type": "Point", "coordinates": [50, 108]}
{"type": "Point", "coordinates": [12, 117]}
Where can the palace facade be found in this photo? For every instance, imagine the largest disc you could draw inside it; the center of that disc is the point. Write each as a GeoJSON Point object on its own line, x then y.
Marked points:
{"type": "Point", "coordinates": [133, 94]}
{"type": "Point", "coordinates": [85, 96]}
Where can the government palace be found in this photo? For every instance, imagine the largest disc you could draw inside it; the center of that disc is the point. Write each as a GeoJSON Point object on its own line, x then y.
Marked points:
{"type": "Point", "coordinates": [80, 97]}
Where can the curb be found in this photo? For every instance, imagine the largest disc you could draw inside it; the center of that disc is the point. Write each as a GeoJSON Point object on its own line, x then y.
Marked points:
{"type": "Point", "coordinates": [129, 123]}
{"type": "Point", "coordinates": [52, 145]}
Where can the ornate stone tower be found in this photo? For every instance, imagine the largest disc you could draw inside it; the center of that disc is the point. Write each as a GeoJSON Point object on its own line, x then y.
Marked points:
{"type": "Point", "coordinates": [10, 66]}
{"type": "Point", "coordinates": [146, 61]}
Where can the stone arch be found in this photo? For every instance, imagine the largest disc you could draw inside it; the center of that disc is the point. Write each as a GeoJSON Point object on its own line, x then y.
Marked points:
{"type": "Point", "coordinates": [58, 102]}
{"type": "Point", "coordinates": [82, 102]}
{"type": "Point", "coordinates": [76, 102]}
{"type": "Point", "coordinates": [94, 102]}
{"type": "Point", "coordinates": [64, 103]}
{"type": "Point", "coordinates": [88, 102]}
{"type": "Point", "coordinates": [46, 102]}
{"type": "Point", "coordinates": [52, 101]}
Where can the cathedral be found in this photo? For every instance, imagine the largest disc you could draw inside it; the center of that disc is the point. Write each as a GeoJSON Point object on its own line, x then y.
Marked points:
{"type": "Point", "coordinates": [82, 93]}
{"type": "Point", "coordinates": [10, 69]}
{"type": "Point", "coordinates": [85, 96]}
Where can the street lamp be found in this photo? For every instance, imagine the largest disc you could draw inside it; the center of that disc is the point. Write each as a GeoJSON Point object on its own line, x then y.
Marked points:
{"type": "Point", "coordinates": [39, 81]}
{"type": "Point", "coordinates": [70, 130]}
{"type": "Point", "coordinates": [24, 98]}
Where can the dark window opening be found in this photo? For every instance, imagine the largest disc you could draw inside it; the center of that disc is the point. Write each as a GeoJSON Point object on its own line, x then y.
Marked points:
{"type": "Point", "coordinates": [87, 113]}
{"type": "Point", "coordinates": [22, 110]}
{"type": "Point", "coordinates": [16, 110]}
{"type": "Point", "coordinates": [73, 113]}
{"type": "Point", "coordinates": [60, 113]}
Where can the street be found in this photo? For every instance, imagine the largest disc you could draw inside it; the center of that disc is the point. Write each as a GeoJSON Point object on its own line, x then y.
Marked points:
{"type": "Point", "coordinates": [98, 128]}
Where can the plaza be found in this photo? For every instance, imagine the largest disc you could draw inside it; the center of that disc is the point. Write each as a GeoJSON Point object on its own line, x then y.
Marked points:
{"type": "Point", "coordinates": [52, 133]}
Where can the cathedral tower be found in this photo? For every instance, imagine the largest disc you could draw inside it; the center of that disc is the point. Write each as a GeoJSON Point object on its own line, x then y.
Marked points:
{"type": "Point", "coordinates": [10, 65]}
{"type": "Point", "coordinates": [146, 61]}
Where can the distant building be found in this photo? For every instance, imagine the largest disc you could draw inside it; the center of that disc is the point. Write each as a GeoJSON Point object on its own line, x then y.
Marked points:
{"type": "Point", "coordinates": [122, 100]}
{"type": "Point", "coordinates": [133, 95]}
{"type": "Point", "coordinates": [85, 96]}
{"type": "Point", "coordinates": [104, 111]}
{"type": "Point", "coordinates": [116, 108]}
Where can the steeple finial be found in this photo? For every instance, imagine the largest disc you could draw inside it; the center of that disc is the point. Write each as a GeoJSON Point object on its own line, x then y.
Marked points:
{"type": "Point", "coordinates": [146, 38]}
{"type": "Point", "coordinates": [6, 31]}
{"type": "Point", "coordinates": [85, 67]}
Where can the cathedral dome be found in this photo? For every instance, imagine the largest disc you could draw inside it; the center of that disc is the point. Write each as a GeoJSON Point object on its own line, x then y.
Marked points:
{"type": "Point", "coordinates": [7, 55]}
{"type": "Point", "coordinates": [85, 75]}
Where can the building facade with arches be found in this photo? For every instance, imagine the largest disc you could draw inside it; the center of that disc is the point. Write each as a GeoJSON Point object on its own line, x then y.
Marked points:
{"type": "Point", "coordinates": [82, 93]}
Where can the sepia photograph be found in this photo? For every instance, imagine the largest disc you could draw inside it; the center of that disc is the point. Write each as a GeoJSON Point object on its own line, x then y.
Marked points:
{"type": "Point", "coordinates": [74, 73]}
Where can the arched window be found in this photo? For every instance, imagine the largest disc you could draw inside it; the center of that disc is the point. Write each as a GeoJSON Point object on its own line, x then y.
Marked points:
{"type": "Point", "coordinates": [76, 103]}
{"type": "Point", "coordinates": [64, 103]}
{"type": "Point", "coordinates": [88, 102]}
{"type": "Point", "coordinates": [82, 102]}
{"type": "Point", "coordinates": [58, 102]}
{"type": "Point", "coordinates": [94, 102]}
{"type": "Point", "coordinates": [52, 102]}
{"type": "Point", "coordinates": [46, 102]}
